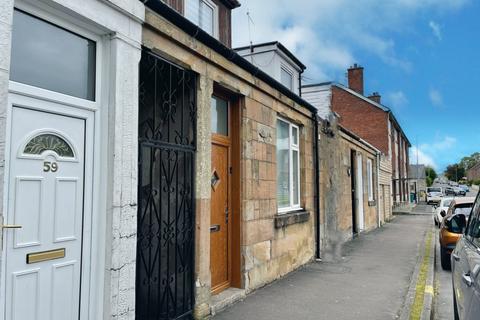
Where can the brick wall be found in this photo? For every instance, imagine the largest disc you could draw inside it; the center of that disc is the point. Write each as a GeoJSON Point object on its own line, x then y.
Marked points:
{"type": "Point", "coordinates": [362, 118]}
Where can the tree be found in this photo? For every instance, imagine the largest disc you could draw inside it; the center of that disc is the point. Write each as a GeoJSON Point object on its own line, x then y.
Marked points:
{"type": "Point", "coordinates": [470, 161]}
{"type": "Point", "coordinates": [455, 172]}
{"type": "Point", "coordinates": [430, 175]}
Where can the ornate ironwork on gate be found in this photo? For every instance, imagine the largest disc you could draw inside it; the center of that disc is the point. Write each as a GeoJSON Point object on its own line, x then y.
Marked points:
{"type": "Point", "coordinates": [165, 240]}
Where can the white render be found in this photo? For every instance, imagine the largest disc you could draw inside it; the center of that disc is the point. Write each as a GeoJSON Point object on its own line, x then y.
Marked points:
{"type": "Point", "coordinates": [270, 59]}
{"type": "Point", "coordinates": [118, 25]}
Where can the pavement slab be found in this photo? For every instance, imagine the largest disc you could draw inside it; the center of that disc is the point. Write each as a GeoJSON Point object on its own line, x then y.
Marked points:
{"type": "Point", "coordinates": [369, 281]}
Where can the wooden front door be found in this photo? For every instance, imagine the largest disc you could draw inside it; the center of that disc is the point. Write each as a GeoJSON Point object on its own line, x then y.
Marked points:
{"type": "Point", "coordinates": [220, 235]}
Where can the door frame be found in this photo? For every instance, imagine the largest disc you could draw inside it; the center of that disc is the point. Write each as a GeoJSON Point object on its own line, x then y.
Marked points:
{"type": "Point", "coordinates": [96, 123]}
{"type": "Point", "coordinates": [359, 192]}
{"type": "Point", "coordinates": [234, 188]}
{"type": "Point", "coordinates": [353, 185]}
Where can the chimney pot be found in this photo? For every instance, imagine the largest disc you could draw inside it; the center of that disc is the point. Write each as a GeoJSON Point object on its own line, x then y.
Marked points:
{"type": "Point", "coordinates": [355, 78]}
{"type": "Point", "coordinates": [375, 97]}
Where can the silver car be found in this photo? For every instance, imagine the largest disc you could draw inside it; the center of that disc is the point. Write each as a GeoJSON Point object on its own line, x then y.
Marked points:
{"type": "Point", "coordinates": [465, 261]}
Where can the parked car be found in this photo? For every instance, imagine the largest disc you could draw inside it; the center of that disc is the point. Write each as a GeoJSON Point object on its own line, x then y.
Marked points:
{"type": "Point", "coordinates": [452, 227]}
{"type": "Point", "coordinates": [465, 262]}
{"type": "Point", "coordinates": [441, 210]}
{"type": "Point", "coordinates": [449, 191]}
{"type": "Point", "coordinates": [464, 187]}
{"type": "Point", "coordinates": [459, 191]}
{"type": "Point", "coordinates": [434, 195]}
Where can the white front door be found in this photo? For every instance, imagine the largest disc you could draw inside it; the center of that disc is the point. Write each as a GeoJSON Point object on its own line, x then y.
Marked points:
{"type": "Point", "coordinates": [46, 194]}
{"type": "Point", "coordinates": [359, 192]}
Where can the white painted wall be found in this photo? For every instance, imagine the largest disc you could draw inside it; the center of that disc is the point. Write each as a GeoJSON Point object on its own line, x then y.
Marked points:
{"type": "Point", "coordinates": [119, 23]}
{"type": "Point", "coordinates": [270, 59]}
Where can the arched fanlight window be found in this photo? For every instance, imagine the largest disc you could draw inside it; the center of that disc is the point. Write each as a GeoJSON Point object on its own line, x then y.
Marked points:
{"type": "Point", "coordinates": [48, 141]}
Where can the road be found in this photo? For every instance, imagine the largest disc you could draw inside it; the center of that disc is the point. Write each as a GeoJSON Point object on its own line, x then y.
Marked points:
{"type": "Point", "coordinates": [369, 282]}
{"type": "Point", "coordinates": [443, 304]}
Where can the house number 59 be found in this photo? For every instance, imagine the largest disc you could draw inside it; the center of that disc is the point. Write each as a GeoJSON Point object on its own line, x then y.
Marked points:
{"type": "Point", "coordinates": [50, 166]}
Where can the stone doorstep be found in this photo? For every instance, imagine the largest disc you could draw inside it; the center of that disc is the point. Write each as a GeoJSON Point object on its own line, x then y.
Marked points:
{"type": "Point", "coordinates": [226, 299]}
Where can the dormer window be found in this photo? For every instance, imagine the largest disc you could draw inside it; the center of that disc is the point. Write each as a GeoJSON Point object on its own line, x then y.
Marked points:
{"type": "Point", "coordinates": [203, 13]}
{"type": "Point", "coordinates": [286, 77]}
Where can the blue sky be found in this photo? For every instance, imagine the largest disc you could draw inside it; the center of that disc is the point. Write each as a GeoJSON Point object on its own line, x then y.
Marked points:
{"type": "Point", "coordinates": [421, 55]}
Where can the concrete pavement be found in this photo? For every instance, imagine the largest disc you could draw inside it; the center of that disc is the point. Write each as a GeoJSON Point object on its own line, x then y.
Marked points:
{"type": "Point", "coordinates": [369, 281]}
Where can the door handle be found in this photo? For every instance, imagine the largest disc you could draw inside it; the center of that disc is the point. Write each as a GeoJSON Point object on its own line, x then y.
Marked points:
{"type": "Point", "coordinates": [215, 228]}
{"type": "Point", "coordinates": [456, 257]}
{"type": "Point", "coordinates": [11, 226]}
{"type": "Point", "coordinates": [467, 279]}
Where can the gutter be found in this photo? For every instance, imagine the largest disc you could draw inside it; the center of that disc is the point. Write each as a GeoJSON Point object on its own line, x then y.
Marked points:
{"type": "Point", "coordinates": [197, 33]}
{"type": "Point", "coordinates": [379, 221]}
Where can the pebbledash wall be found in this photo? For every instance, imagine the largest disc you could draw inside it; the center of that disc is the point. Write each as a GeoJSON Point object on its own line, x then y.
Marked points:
{"type": "Point", "coordinates": [118, 23]}
{"type": "Point", "coordinates": [272, 245]}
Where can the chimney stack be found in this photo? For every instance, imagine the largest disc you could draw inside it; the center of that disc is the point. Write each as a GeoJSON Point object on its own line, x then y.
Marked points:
{"type": "Point", "coordinates": [375, 97]}
{"type": "Point", "coordinates": [355, 78]}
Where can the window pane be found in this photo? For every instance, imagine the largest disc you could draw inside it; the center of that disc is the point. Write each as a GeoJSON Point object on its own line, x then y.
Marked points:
{"type": "Point", "coordinates": [49, 57]}
{"type": "Point", "coordinates": [296, 200]}
{"type": "Point", "coordinates": [206, 18]}
{"type": "Point", "coordinates": [295, 135]}
{"type": "Point", "coordinates": [219, 116]}
{"type": "Point", "coordinates": [283, 165]}
{"type": "Point", "coordinates": [286, 78]}
{"type": "Point", "coordinates": [192, 11]}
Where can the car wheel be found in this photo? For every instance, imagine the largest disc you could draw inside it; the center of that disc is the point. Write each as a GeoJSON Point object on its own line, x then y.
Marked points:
{"type": "Point", "coordinates": [444, 259]}
{"type": "Point", "coordinates": [455, 309]}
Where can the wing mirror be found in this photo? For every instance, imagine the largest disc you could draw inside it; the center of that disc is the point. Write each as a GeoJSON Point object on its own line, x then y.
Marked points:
{"type": "Point", "coordinates": [456, 223]}
{"type": "Point", "coordinates": [443, 214]}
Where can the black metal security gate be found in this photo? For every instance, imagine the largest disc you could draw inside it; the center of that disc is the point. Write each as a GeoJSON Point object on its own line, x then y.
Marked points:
{"type": "Point", "coordinates": [165, 240]}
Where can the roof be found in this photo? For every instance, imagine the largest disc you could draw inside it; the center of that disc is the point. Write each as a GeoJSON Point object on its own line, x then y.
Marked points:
{"type": "Point", "coordinates": [372, 102]}
{"type": "Point", "coordinates": [355, 137]}
{"type": "Point", "coordinates": [280, 46]}
{"type": "Point", "coordinates": [231, 4]}
{"type": "Point", "coordinates": [474, 167]}
{"type": "Point", "coordinates": [416, 171]}
{"type": "Point", "coordinates": [198, 33]}
{"type": "Point", "coordinates": [464, 200]}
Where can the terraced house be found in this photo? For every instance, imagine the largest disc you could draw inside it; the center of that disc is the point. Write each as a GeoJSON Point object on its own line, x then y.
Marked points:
{"type": "Point", "coordinates": [150, 171]}
{"type": "Point", "coordinates": [348, 165]}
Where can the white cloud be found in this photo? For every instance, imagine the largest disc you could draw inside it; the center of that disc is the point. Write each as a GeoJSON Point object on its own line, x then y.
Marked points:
{"type": "Point", "coordinates": [428, 152]}
{"type": "Point", "coordinates": [328, 35]}
{"type": "Point", "coordinates": [436, 97]}
{"type": "Point", "coordinates": [397, 99]}
{"type": "Point", "coordinates": [423, 158]}
{"type": "Point", "coordinates": [436, 29]}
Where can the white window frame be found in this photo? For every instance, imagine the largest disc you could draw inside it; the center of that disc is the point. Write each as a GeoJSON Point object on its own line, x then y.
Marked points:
{"type": "Point", "coordinates": [290, 72]}
{"type": "Point", "coordinates": [212, 5]}
{"type": "Point", "coordinates": [371, 196]}
{"type": "Point", "coordinates": [292, 147]}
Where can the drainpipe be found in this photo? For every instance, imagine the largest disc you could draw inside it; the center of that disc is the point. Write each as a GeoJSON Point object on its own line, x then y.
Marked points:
{"type": "Point", "coordinates": [316, 196]}
{"type": "Point", "coordinates": [378, 190]}
{"type": "Point", "coordinates": [300, 85]}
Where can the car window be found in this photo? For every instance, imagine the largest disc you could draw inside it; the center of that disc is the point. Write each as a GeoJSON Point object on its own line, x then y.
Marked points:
{"type": "Point", "coordinates": [473, 231]}
{"type": "Point", "coordinates": [434, 190]}
{"type": "Point", "coordinates": [463, 210]}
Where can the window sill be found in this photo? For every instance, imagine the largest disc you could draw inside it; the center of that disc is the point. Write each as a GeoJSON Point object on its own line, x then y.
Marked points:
{"type": "Point", "coordinates": [372, 203]}
{"type": "Point", "coordinates": [286, 219]}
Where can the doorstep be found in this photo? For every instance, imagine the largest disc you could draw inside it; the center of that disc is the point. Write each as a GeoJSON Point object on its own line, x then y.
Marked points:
{"type": "Point", "coordinates": [225, 299]}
